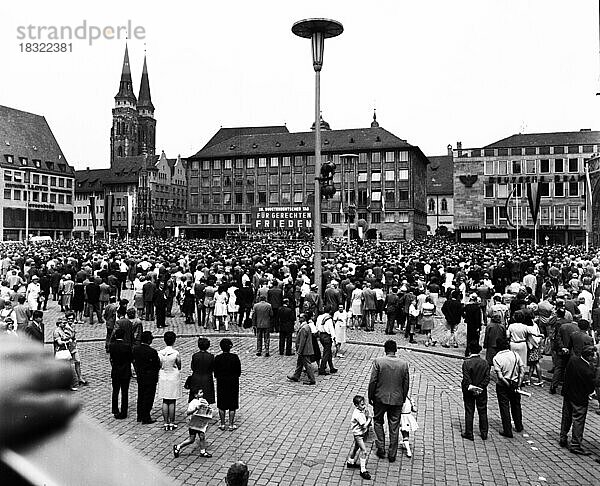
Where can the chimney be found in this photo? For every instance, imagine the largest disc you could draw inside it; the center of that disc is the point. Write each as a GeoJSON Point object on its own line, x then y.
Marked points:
{"type": "Point", "coordinates": [87, 169]}
{"type": "Point", "coordinates": [458, 145]}
{"type": "Point", "coordinates": [449, 149]}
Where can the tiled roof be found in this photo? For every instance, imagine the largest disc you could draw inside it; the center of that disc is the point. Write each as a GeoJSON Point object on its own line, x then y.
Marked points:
{"type": "Point", "coordinates": [440, 173]}
{"type": "Point", "coordinates": [584, 137]}
{"type": "Point", "coordinates": [91, 180]}
{"type": "Point", "coordinates": [24, 134]}
{"type": "Point", "coordinates": [227, 133]}
{"type": "Point", "coordinates": [351, 140]}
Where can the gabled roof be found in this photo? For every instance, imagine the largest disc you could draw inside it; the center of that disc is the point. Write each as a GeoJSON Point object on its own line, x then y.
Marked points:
{"type": "Point", "coordinates": [583, 137]}
{"type": "Point", "coordinates": [227, 133]}
{"type": "Point", "coordinates": [349, 140]}
{"type": "Point", "coordinates": [135, 163]}
{"type": "Point", "coordinates": [91, 180]}
{"type": "Point", "coordinates": [440, 173]}
{"type": "Point", "coordinates": [24, 134]}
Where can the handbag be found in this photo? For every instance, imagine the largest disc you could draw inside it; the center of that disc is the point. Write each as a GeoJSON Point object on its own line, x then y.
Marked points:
{"type": "Point", "coordinates": [188, 383]}
{"type": "Point", "coordinates": [63, 354]}
{"type": "Point", "coordinates": [247, 323]}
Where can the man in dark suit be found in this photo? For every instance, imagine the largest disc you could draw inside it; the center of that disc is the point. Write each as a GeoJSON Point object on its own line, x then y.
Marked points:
{"type": "Point", "coordinates": [304, 350]}
{"type": "Point", "coordinates": [388, 388]}
{"type": "Point", "coordinates": [132, 328]}
{"type": "Point", "coordinates": [92, 292]}
{"type": "Point", "coordinates": [120, 361]}
{"type": "Point", "coordinates": [34, 330]}
{"type": "Point", "coordinates": [244, 298]}
{"type": "Point", "coordinates": [476, 377]}
{"type": "Point", "coordinates": [160, 302]}
{"type": "Point", "coordinates": [563, 345]}
{"type": "Point", "coordinates": [148, 291]}
{"type": "Point", "coordinates": [275, 298]}
{"type": "Point", "coordinates": [578, 385]}
{"type": "Point", "coordinates": [147, 364]}
{"type": "Point", "coordinates": [261, 321]}
{"type": "Point", "coordinates": [287, 319]}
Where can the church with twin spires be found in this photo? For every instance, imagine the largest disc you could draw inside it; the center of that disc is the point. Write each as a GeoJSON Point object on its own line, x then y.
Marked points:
{"type": "Point", "coordinates": [133, 130]}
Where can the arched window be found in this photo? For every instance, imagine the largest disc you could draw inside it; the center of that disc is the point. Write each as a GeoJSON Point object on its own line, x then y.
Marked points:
{"type": "Point", "coordinates": [444, 205]}
{"type": "Point", "coordinates": [431, 206]}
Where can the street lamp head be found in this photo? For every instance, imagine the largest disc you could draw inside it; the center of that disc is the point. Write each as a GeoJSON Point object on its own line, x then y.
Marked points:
{"type": "Point", "coordinates": [317, 30]}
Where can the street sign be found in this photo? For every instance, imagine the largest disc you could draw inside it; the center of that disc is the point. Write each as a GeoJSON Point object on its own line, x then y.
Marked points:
{"type": "Point", "coordinates": [306, 251]}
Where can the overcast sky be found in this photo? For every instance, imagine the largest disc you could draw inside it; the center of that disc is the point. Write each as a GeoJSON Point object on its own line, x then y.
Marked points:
{"type": "Point", "coordinates": [437, 71]}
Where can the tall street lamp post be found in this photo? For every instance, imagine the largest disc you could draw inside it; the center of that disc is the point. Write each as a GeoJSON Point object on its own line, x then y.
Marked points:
{"type": "Point", "coordinates": [317, 30]}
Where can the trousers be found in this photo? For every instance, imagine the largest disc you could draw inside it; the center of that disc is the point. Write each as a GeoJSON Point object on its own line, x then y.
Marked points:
{"type": "Point", "coordinates": [326, 359]}
{"type": "Point", "coordinates": [393, 413]}
{"type": "Point", "coordinates": [263, 334]}
{"type": "Point", "coordinates": [471, 401]}
{"type": "Point", "coordinates": [303, 363]}
{"type": "Point", "coordinates": [573, 415]}
{"type": "Point", "coordinates": [509, 401]}
{"type": "Point", "coordinates": [146, 392]}
{"type": "Point", "coordinates": [120, 385]}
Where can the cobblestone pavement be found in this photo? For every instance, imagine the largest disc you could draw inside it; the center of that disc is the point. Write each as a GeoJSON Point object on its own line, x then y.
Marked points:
{"type": "Point", "coordinates": [290, 434]}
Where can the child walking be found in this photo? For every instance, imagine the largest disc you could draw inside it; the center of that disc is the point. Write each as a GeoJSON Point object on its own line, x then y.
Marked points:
{"type": "Point", "coordinates": [360, 428]}
{"type": "Point", "coordinates": [408, 424]}
{"type": "Point", "coordinates": [199, 414]}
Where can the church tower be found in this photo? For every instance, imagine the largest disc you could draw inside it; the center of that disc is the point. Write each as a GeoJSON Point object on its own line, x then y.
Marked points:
{"type": "Point", "coordinates": [124, 132]}
{"type": "Point", "coordinates": [146, 121]}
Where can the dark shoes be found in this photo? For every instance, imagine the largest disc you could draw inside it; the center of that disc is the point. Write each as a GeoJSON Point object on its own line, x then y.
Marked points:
{"type": "Point", "coordinates": [352, 465]}
{"type": "Point", "coordinates": [484, 436]}
{"type": "Point", "coordinates": [519, 430]}
{"type": "Point", "coordinates": [267, 355]}
{"type": "Point", "coordinates": [365, 475]}
{"type": "Point", "coordinates": [552, 390]}
{"type": "Point", "coordinates": [504, 434]}
{"type": "Point", "coordinates": [176, 451]}
{"type": "Point", "coordinates": [148, 422]}
{"type": "Point", "coordinates": [258, 354]}
{"type": "Point", "coordinates": [120, 416]}
{"type": "Point", "coordinates": [324, 373]}
{"type": "Point", "coordinates": [563, 443]}
{"type": "Point", "coordinates": [292, 378]}
{"type": "Point", "coordinates": [392, 458]}
{"type": "Point", "coordinates": [334, 370]}
{"type": "Point", "coordinates": [380, 453]}
{"type": "Point", "coordinates": [580, 451]}
{"type": "Point", "coordinates": [467, 436]}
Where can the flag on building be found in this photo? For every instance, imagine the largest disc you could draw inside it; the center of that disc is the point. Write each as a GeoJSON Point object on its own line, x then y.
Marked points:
{"type": "Point", "coordinates": [507, 205]}
{"type": "Point", "coordinates": [129, 213]}
{"type": "Point", "coordinates": [93, 212]}
{"type": "Point", "coordinates": [109, 201]}
{"type": "Point", "coordinates": [533, 198]}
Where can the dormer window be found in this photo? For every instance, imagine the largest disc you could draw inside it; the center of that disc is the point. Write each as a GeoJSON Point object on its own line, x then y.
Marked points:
{"type": "Point", "coordinates": [50, 165]}
{"type": "Point", "coordinates": [23, 160]}
{"type": "Point", "coordinates": [62, 167]}
{"type": "Point", "coordinates": [9, 159]}
{"type": "Point", "coordinates": [37, 162]}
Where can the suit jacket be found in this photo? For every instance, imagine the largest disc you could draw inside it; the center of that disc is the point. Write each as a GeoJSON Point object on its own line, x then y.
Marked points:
{"type": "Point", "coordinates": [146, 362]}
{"type": "Point", "coordinates": [476, 371]}
{"type": "Point", "coordinates": [579, 381]}
{"type": "Point", "coordinates": [148, 290]}
{"type": "Point", "coordinates": [92, 291]}
{"type": "Point", "coordinates": [389, 381]}
{"type": "Point", "coordinates": [275, 297]}
{"type": "Point", "coordinates": [33, 332]}
{"type": "Point", "coordinates": [120, 359]}
{"type": "Point", "coordinates": [579, 340]}
{"type": "Point", "coordinates": [261, 316]}
{"type": "Point", "coordinates": [287, 318]}
{"type": "Point", "coordinates": [304, 343]}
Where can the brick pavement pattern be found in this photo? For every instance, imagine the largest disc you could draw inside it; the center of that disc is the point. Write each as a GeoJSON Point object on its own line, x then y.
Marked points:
{"type": "Point", "coordinates": [290, 434]}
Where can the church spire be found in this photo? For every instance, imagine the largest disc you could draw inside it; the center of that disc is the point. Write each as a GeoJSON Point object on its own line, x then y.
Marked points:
{"type": "Point", "coordinates": [126, 86]}
{"type": "Point", "coordinates": [144, 99]}
{"type": "Point", "coordinates": [374, 123]}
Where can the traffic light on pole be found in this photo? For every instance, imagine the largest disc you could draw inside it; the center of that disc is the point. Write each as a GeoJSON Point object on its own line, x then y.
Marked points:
{"type": "Point", "coordinates": [327, 173]}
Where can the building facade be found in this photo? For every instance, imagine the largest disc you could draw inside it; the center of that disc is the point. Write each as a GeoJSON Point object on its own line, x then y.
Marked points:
{"type": "Point", "coordinates": [491, 187]}
{"type": "Point", "coordinates": [440, 192]}
{"type": "Point", "coordinates": [269, 167]}
{"type": "Point", "coordinates": [141, 193]}
{"type": "Point", "coordinates": [36, 181]}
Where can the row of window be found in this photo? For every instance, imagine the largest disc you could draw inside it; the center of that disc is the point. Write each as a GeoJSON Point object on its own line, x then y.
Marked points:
{"type": "Point", "coordinates": [388, 176]}
{"type": "Point", "coordinates": [84, 209]}
{"type": "Point", "coordinates": [543, 166]}
{"type": "Point", "coordinates": [543, 150]}
{"type": "Point", "coordinates": [443, 205]}
{"type": "Point", "coordinates": [555, 215]}
{"type": "Point", "coordinates": [23, 161]}
{"type": "Point", "coordinates": [326, 218]}
{"type": "Point", "coordinates": [44, 197]}
{"type": "Point", "coordinates": [298, 160]}
{"type": "Point", "coordinates": [285, 197]}
{"type": "Point", "coordinates": [546, 189]}
{"type": "Point", "coordinates": [37, 179]}
{"type": "Point", "coordinates": [88, 222]}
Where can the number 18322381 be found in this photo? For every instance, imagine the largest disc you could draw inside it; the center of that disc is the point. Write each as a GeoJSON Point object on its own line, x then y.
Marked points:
{"type": "Point", "coordinates": [46, 47]}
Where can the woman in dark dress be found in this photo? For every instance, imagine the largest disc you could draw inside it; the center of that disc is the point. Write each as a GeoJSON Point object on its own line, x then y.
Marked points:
{"type": "Point", "coordinates": [227, 372]}
{"type": "Point", "coordinates": [78, 300]}
{"type": "Point", "coordinates": [189, 303]}
{"type": "Point", "coordinates": [202, 372]}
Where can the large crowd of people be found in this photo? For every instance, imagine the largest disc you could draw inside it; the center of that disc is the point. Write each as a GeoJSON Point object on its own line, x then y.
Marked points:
{"type": "Point", "coordinates": [520, 303]}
